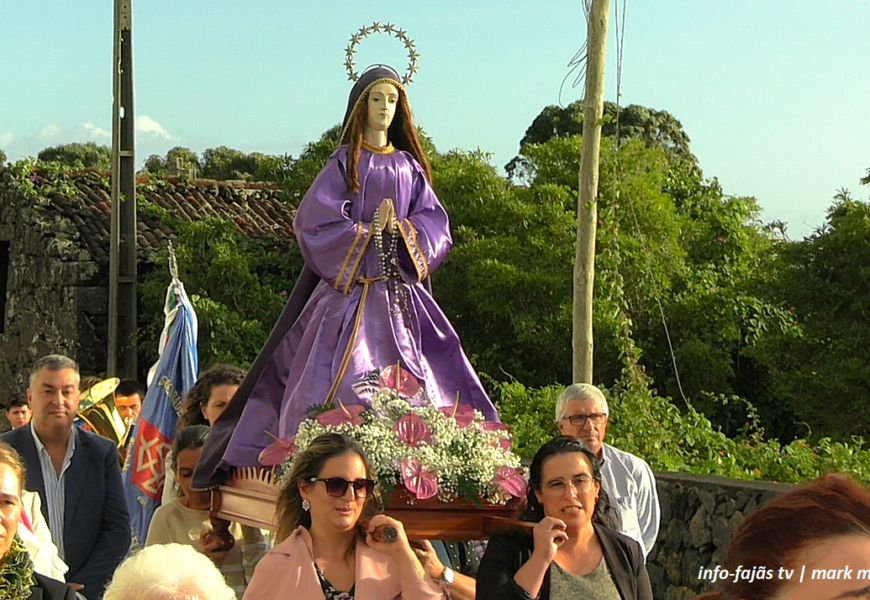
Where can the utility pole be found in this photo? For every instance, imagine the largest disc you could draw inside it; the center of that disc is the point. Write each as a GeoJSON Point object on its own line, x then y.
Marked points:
{"type": "Point", "coordinates": [587, 200]}
{"type": "Point", "coordinates": [122, 250]}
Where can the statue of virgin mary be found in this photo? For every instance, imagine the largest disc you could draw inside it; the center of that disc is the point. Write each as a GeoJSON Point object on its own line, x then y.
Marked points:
{"type": "Point", "coordinates": [371, 231]}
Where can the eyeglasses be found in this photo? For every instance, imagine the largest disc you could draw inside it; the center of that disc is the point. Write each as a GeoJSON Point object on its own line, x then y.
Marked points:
{"type": "Point", "coordinates": [580, 420]}
{"type": "Point", "coordinates": [557, 487]}
{"type": "Point", "coordinates": [337, 486]}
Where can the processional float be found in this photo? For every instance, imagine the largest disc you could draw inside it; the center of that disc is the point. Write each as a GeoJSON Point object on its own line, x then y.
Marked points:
{"type": "Point", "coordinates": [444, 468]}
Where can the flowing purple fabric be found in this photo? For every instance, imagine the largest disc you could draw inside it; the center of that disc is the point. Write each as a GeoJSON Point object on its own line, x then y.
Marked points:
{"type": "Point", "coordinates": [400, 321]}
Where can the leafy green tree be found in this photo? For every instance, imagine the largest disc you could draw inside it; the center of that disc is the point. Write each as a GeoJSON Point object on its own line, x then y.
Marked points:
{"type": "Point", "coordinates": [79, 156]}
{"type": "Point", "coordinates": [274, 168]}
{"type": "Point", "coordinates": [177, 157]}
{"type": "Point", "coordinates": [655, 128]}
{"type": "Point", "coordinates": [823, 370]}
{"type": "Point", "coordinates": [300, 177]}
{"type": "Point", "coordinates": [237, 286]}
{"type": "Point", "coordinates": [2, 158]}
{"type": "Point", "coordinates": [506, 283]}
{"type": "Point", "coordinates": [224, 163]}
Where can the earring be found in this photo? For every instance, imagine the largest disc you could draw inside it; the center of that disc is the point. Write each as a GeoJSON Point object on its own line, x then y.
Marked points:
{"type": "Point", "coordinates": [306, 505]}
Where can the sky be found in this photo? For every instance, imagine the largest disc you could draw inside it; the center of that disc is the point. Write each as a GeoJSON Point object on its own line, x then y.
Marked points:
{"type": "Point", "coordinates": [774, 95]}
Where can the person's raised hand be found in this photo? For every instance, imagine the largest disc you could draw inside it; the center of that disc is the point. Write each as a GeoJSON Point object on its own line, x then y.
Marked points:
{"type": "Point", "coordinates": [548, 535]}
{"type": "Point", "coordinates": [394, 548]}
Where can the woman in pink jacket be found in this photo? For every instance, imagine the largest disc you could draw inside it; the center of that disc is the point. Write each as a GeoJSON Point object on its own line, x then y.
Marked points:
{"type": "Point", "coordinates": [333, 544]}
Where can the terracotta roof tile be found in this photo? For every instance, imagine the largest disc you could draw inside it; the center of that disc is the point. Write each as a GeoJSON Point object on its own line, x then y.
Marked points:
{"type": "Point", "coordinates": [256, 209]}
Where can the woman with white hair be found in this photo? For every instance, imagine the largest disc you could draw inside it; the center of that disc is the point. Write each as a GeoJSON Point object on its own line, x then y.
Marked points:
{"type": "Point", "coordinates": [168, 572]}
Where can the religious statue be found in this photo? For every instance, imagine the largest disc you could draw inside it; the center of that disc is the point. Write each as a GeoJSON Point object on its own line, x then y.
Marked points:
{"type": "Point", "coordinates": [371, 231]}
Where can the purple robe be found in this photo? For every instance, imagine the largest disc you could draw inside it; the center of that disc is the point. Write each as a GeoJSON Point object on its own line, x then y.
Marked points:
{"type": "Point", "coordinates": [400, 321]}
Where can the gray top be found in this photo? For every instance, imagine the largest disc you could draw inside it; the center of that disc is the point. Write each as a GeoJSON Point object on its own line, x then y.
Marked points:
{"type": "Point", "coordinates": [597, 585]}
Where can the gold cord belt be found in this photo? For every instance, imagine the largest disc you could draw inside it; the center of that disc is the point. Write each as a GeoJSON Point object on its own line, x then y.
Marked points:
{"type": "Point", "coordinates": [348, 350]}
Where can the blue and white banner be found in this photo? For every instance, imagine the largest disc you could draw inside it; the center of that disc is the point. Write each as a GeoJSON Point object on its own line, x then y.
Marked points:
{"type": "Point", "coordinates": [173, 374]}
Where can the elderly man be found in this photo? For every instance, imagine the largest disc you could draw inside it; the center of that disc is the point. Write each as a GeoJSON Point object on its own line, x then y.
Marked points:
{"type": "Point", "coordinates": [168, 572]}
{"type": "Point", "coordinates": [77, 477]}
{"type": "Point", "coordinates": [582, 412]}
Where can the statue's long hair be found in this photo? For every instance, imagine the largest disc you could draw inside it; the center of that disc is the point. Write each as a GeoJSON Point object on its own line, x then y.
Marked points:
{"type": "Point", "coordinates": [402, 134]}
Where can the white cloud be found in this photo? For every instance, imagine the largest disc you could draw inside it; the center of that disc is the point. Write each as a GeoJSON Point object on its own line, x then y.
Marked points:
{"type": "Point", "coordinates": [6, 138]}
{"type": "Point", "coordinates": [49, 133]}
{"type": "Point", "coordinates": [97, 133]}
{"type": "Point", "coordinates": [147, 125]}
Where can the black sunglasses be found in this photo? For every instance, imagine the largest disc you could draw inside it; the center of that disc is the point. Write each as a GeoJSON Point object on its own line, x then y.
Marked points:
{"type": "Point", "coordinates": [337, 486]}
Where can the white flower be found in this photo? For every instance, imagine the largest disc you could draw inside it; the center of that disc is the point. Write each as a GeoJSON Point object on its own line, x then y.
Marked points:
{"type": "Point", "coordinates": [464, 459]}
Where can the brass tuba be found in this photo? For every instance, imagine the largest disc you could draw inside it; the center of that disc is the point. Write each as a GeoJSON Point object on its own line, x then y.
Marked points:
{"type": "Point", "coordinates": [97, 409]}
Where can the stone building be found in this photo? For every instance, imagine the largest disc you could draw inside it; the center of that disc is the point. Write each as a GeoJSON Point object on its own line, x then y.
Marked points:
{"type": "Point", "coordinates": [54, 254]}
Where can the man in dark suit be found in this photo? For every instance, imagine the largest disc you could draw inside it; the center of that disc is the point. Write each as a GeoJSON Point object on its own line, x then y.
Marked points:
{"type": "Point", "coordinates": [77, 476]}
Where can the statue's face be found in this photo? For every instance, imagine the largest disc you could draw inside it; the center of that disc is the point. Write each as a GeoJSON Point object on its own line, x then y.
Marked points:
{"type": "Point", "coordinates": [382, 101]}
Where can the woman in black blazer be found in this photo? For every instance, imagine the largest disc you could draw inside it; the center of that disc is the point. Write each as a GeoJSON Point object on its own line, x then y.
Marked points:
{"type": "Point", "coordinates": [17, 579]}
{"type": "Point", "coordinates": [570, 552]}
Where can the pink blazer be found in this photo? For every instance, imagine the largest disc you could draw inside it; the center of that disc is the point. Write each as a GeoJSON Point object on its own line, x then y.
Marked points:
{"type": "Point", "coordinates": [287, 571]}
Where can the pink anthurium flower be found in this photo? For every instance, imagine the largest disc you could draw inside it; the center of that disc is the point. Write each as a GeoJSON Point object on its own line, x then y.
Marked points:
{"type": "Point", "coordinates": [464, 415]}
{"type": "Point", "coordinates": [419, 480]}
{"type": "Point", "coordinates": [504, 440]}
{"type": "Point", "coordinates": [412, 430]}
{"type": "Point", "coordinates": [278, 451]}
{"type": "Point", "coordinates": [396, 378]}
{"type": "Point", "coordinates": [510, 480]}
{"type": "Point", "coordinates": [343, 414]}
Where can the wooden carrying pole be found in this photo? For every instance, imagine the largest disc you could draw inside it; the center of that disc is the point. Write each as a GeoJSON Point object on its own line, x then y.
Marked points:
{"type": "Point", "coordinates": [587, 207]}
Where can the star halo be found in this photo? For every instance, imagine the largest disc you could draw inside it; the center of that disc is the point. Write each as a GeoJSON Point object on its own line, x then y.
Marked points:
{"type": "Point", "coordinates": [389, 29]}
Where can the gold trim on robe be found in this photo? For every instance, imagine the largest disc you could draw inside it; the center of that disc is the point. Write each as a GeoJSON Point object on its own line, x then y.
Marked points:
{"type": "Point", "coordinates": [355, 267]}
{"type": "Point", "coordinates": [409, 234]}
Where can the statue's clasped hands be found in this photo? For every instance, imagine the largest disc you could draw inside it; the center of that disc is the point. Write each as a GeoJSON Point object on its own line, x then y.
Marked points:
{"type": "Point", "coordinates": [386, 215]}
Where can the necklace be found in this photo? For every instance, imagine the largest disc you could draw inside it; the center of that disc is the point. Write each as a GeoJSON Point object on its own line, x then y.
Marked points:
{"type": "Point", "coordinates": [388, 257]}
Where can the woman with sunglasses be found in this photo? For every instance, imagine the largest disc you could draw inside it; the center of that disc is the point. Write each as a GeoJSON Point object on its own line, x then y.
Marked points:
{"type": "Point", "coordinates": [570, 552]}
{"type": "Point", "coordinates": [333, 544]}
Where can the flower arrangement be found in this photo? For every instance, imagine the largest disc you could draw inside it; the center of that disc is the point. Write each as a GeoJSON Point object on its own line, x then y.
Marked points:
{"type": "Point", "coordinates": [446, 452]}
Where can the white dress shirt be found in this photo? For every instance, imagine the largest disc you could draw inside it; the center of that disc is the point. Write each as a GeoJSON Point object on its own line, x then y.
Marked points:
{"type": "Point", "coordinates": [631, 487]}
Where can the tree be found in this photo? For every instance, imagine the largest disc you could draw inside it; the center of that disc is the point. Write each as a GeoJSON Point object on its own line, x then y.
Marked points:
{"type": "Point", "coordinates": [506, 284]}
{"type": "Point", "coordinates": [653, 127]}
{"type": "Point", "coordinates": [2, 158]}
{"type": "Point", "coordinates": [176, 158]}
{"type": "Point", "coordinates": [224, 163]}
{"type": "Point", "coordinates": [79, 156]}
{"type": "Point", "coordinates": [300, 177]}
{"type": "Point", "coordinates": [237, 286]}
{"type": "Point", "coordinates": [823, 371]}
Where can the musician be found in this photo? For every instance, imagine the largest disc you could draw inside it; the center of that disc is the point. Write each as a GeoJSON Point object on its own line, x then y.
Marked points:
{"type": "Point", "coordinates": [128, 400]}
{"type": "Point", "coordinates": [77, 476]}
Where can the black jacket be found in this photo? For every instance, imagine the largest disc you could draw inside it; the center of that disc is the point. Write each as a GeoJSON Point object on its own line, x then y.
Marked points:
{"type": "Point", "coordinates": [509, 550]}
{"type": "Point", "coordinates": [50, 589]}
{"type": "Point", "coordinates": [96, 531]}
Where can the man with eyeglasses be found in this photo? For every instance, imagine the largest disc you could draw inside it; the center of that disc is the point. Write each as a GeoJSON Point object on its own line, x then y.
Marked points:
{"type": "Point", "coordinates": [582, 412]}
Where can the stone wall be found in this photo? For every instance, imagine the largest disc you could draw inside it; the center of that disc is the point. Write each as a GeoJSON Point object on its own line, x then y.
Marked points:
{"type": "Point", "coordinates": [54, 300]}
{"type": "Point", "coordinates": [699, 514]}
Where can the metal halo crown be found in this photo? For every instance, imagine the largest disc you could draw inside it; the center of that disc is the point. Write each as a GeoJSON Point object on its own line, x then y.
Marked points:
{"type": "Point", "coordinates": [389, 29]}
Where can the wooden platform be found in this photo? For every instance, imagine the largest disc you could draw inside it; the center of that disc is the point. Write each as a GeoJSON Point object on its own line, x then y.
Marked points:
{"type": "Point", "coordinates": [249, 497]}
